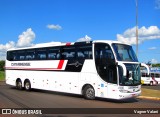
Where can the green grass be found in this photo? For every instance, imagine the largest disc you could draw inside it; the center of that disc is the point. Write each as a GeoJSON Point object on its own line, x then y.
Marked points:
{"type": "Point", "coordinates": [2, 77]}
{"type": "Point", "coordinates": [150, 93]}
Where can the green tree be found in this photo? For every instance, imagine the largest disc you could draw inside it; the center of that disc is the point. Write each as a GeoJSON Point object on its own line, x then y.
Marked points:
{"type": "Point", "coordinates": [2, 64]}
{"type": "Point", "coordinates": [156, 65]}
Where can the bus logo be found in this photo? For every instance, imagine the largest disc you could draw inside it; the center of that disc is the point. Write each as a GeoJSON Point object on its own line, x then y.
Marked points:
{"type": "Point", "coordinates": [76, 64]}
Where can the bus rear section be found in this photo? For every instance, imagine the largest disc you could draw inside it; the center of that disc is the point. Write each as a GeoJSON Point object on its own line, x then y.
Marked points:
{"type": "Point", "coordinates": [55, 68]}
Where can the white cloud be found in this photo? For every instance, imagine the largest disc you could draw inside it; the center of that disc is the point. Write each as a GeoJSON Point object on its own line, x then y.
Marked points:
{"type": "Point", "coordinates": [54, 27]}
{"type": "Point", "coordinates": [157, 4]}
{"type": "Point", "coordinates": [154, 61]}
{"type": "Point", "coordinates": [26, 38]}
{"type": "Point", "coordinates": [152, 48]}
{"type": "Point", "coordinates": [86, 38]}
{"type": "Point", "coordinates": [7, 46]}
{"type": "Point", "coordinates": [2, 56]}
{"type": "Point", "coordinates": [129, 36]}
{"type": "Point", "coordinates": [4, 48]}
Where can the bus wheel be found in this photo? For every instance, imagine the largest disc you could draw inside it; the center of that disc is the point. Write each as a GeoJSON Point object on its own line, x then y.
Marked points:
{"type": "Point", "coordinates": [19, 84]}
{"type": "Point", "coordinates": [27, 85]}
{"type": "Point", "coordinates": [151, 83]}
{"type": "Point", "coordinates": [89, 92]}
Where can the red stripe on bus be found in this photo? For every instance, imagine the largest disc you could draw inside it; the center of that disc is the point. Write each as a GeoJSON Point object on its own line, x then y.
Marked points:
{"type": "Point", "coordinates": [60, 65]}
{"type": "Point", "coordinates": [68, 44]}
{"type": "Point", "coordinates": [23, 68]}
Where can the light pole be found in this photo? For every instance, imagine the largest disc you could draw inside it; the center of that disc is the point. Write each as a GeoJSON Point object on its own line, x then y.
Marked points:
{"type": "Point", "coordinates": [136, 27]}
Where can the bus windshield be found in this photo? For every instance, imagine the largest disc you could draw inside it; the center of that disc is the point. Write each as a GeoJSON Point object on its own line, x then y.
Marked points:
{"type": "Point", "coordinates": [124, 52]}
{"type": "Point", "coordinates": [133, 77]}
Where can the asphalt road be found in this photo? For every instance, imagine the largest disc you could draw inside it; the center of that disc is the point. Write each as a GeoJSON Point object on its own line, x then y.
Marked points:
{"type": "Point", "coordinates": [13, 98]}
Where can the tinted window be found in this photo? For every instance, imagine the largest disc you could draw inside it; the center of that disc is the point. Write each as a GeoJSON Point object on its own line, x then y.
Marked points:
{"type": "Point", "coordinates": [143, 74]}
{"type": "Point", "coordinates": [41, 53]}
{"type": "Point", "coordinates": [30, 54]}
{"type": "Point", "coordinates": [105, 63]}
{"type": "Point", "coordinates": [84, 52]}
{"type": "Point", "coordinates": [157, 75]}
{"type": "Point", "coordinates": [21, 55]}
{"type": "Point", "coordinates": [124, 52]}
{"type": "Point", "coordinates": [68, 52]}
{"type": "Point", "coordinates": [53, 53]}
{"type": "Point", "coordinates": [11, 55]}
{"type": "Point", "coordinates": [152, 74]}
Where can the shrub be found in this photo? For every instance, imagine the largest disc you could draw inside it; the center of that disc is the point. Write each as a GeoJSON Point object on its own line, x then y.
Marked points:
{"type": "Point", "coordinates": [2, 64]}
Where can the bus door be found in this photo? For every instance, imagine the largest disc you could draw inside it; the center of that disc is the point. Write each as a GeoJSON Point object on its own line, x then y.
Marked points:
{"type": "Point", "coordinates": [106, 68]}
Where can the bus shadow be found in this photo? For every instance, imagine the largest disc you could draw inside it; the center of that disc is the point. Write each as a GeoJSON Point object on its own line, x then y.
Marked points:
{"type": "Point", "coordinates": [131, 100]}
{"type": "Point", "coordinates": [48, 92]}
{"type": "Point", "coordinates": [57, 93]}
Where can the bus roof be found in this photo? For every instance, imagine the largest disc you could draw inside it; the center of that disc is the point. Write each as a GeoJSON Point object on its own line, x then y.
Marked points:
{"type": "Point", "coordinates": [109, 41]}
{"type": "Point", "coordinates": [51, 44]}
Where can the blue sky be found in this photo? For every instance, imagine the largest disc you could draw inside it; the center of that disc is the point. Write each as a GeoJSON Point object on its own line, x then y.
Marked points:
{"type": "Point", "coordinates": [28, 22]}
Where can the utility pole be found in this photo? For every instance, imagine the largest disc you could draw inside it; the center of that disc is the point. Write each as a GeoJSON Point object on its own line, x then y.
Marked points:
{"type": "Point", "coordinates": [136, 27]}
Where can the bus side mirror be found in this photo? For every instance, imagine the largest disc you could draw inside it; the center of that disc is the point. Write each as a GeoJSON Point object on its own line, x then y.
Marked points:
{"type": "Point", "coordinates": [146, 66]}
{"type": "Point", "coordinates": [124, 68]}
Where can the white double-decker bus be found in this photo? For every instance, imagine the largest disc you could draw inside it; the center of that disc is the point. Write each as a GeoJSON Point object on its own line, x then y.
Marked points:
{"type": "Point", "coordinates": [107, 69]}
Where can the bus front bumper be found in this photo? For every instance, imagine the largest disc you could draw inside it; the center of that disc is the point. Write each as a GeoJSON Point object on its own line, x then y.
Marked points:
{"type": "Point", "coordinates": [128, 95]}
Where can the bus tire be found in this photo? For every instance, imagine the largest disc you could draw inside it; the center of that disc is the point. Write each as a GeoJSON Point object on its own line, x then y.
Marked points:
{"type": "Point", "coordinates": [27, 85]}
{"type": "Point", "coordinates": [151, 83]}
{"type": "Point", "coordinates": [19, 84]}
{"type": "Point", "coordinates": [89, 93]}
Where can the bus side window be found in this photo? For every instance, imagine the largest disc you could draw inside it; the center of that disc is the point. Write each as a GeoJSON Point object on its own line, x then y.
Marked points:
{"type": "Point", "coordinates": [30, 54]}
{"type": "Point", "coordinates": [152, 74]}
{"type": "Point", "coordinates": [68, 52]}
{"type": "Point", "coordinates": [41, 54]}
{"type": "Point", "coordinates": [20, 55]}
{"type": "Point", "coordinates": [54, 53]}
{"type": "Point", "coordinates": [11, 55]}
{"type": "Point", "coordinates": [157, 75]}
{"type": "Point", "coordinates": [143, 74]}
{"type": "Point", "coordinates": [84, 52]}
{"type": "Point", "coordinates": [80, 55]}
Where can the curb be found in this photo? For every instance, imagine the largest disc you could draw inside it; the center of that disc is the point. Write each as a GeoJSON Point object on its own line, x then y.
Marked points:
{"type": "Point", "coordinates": [149, 98]}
